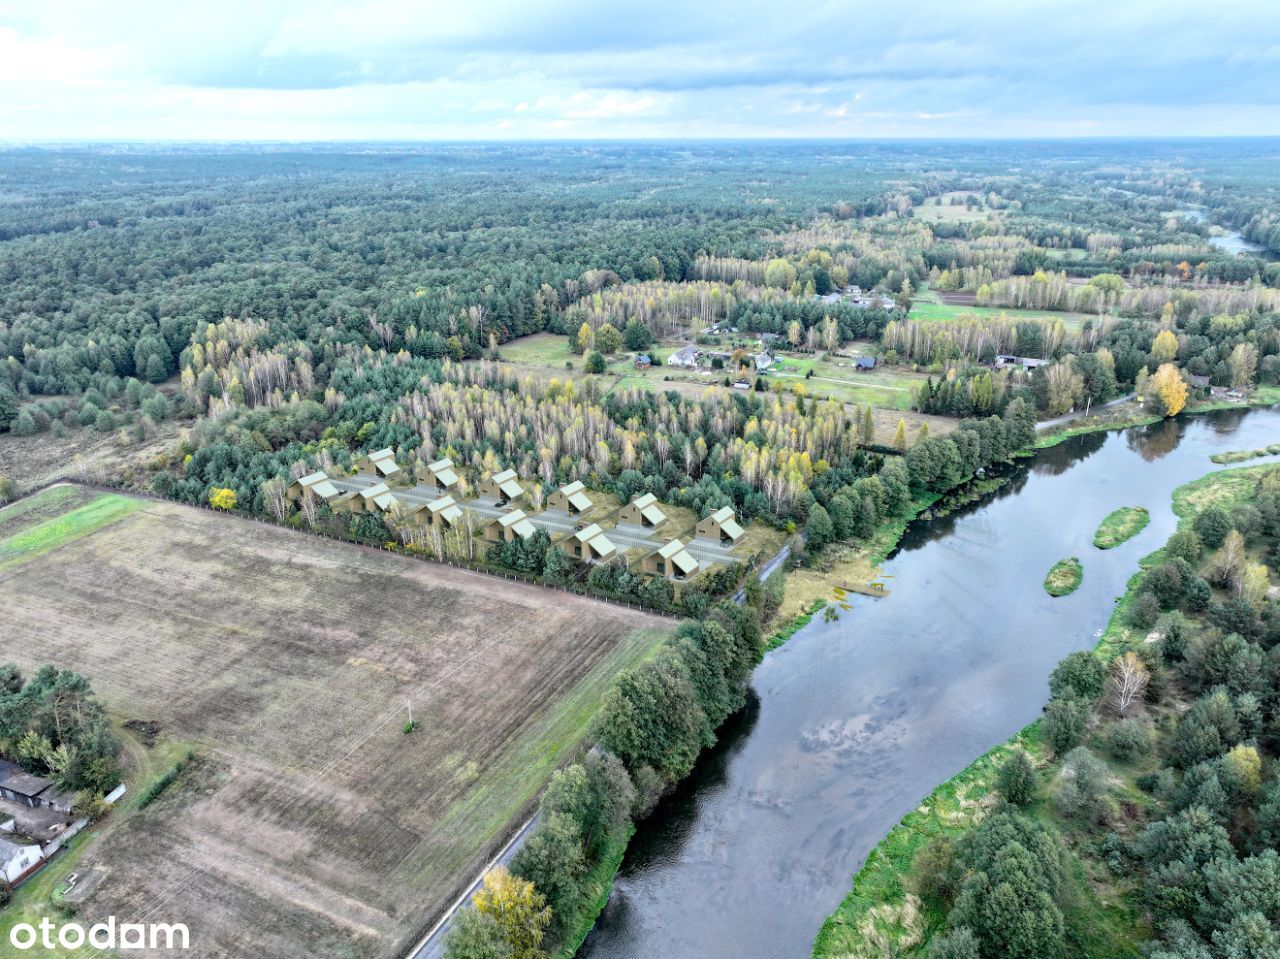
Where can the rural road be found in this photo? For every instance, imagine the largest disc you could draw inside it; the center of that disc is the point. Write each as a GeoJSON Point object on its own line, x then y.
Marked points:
{"type": "Point", "coordinates": [432, 945]}
{"type": "Point", "coordinates": [779, 558]}
{"type": "Point", "coordinates": [1050, 424]}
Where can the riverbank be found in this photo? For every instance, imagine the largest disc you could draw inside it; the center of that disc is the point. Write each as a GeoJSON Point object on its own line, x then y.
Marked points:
{"type": "Point", "coordinates": [885, 914]}
{"type": "Point", "coordinates": [1133, 413]}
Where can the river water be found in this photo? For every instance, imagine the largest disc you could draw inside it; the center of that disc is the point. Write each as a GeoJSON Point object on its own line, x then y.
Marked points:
{"type": "Point", "coordinates": [851, 723]}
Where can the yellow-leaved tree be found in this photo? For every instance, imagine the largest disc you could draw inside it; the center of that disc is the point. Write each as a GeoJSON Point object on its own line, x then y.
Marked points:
{"type": "Point", "coordinates": [1165, 347]}
{"type": "Point", "coordinates": [221, 498]}
{"type": "Point", "coordinates": [520, 911]}
{"type": "Point", "coordinates": [1169, 389]}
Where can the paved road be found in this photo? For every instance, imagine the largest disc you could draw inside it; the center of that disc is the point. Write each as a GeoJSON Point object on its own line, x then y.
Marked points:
{"type": "Point", "coordinates": [432, 945]}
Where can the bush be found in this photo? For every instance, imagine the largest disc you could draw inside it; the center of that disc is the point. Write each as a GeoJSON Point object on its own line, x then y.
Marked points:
{"type": "Point", "coordinates": [1081, 675]}
{"type": "Point", "coordinates": [1083, 785]}
{"type": "Point", "coordinates": [1212, 526]}
{"type": "Point", "coordinates": [1126, 739]}
{"type": "Point", "coordinates": [1145, 611]}
{"type": "Point", "coordinates": [1017, 779]}
{"type": "Point", "coordinates": [1064, 724]}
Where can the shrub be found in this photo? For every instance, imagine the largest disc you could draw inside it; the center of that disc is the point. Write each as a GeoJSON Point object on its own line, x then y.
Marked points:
{"type": "Point", "coordinates": [1126, 739]}
{"type": "Point", "coordinates": [1065, 721]}
{"type": "Point", "coordinates": [1145, 611]}
{"type": "Point", "coordinates": [1017, 779]}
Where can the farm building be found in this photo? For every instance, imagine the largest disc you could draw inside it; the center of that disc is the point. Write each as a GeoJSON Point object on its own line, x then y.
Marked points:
{"type": "Point", "coordinates": [440, 474]}
{"type": "Point", "coordinates": [865, 364]}
{"type": "Point", "coordinates": [643, 361]}
{"type": "Point", "coordinates": [317, 484]}
{"type": "Point", "coordinates": [672, 561]}
{"type": "Point", "coordinates": [571, 498]}
{"type": "Point", "coordinates": [762, 362]}
{"type": "Point", "coordinates": [720, 525]}
{"type": "Point", "coordinates": [508, 527]}
{"type": "Point", "coordinates": [589, 544]}
{"type": "Point", "coordinates": [686, 356]}
{"type": "Point", "coordinates": [18, 785]}
{"type": "Point", "coordinates": [381, 464]}
{"type": "Point", "coordinates": [643, 511]}
{"type": "Point", "coordinates": [503, 487]}
{"type": "Point", "coordinates": [1026, 362]}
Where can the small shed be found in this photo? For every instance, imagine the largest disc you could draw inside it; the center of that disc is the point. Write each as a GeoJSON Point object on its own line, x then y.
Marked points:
{"type": "Point", "coordinates": [509, 527]}
{"type": "Point", "coordinates": [643, 511]}
{"type": "Point", "coordinates": [672, 561]}
{"type": "Point", "coordinates": [572, 498]}
{"type": "Point", "coordinates": [865, 364]}
{"type": "Point", "coordinates": [503, 487]}
{"type": "Point", "coordinates": [722, 525]}
{"type": "Point", "coordinates": [381, 464]}
{"type": "Point", "coordinates": [643, 361]}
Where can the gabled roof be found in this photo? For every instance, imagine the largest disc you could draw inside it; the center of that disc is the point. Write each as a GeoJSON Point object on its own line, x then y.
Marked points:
{"type": "Point", "coordinates": [379, 495]}
{"type": "Point", "coordinates": [442, 470]}
{"type": "Point", "coordinates": [319, 484]}
{"type": "Point", "coordinates": [684, 562]}
{"type": "Point", "coordinates": [640, 502]}
{"type": "Point", "coordinates": [517, 520]}
{"type": "Point", "coordinates": [731, 529]}
{"type": "Point", "coordinates": [446, 508]}
{"type": "Point", "coordinates": [384, 461]}
{"type": "Point", "coordinates": [653, 515]}
{"type": "Point", "coordinates": [722, 515]}
{"type": "Point", "coordinates": [671, 549]}
{"type": "Point", "coordinates": [588, 533]}
{"type": "Point", "coordinates": [508, 483]}
{"type": "Point", "coordinates": [602, 546]}
{"type": "Point", "coordinates": [438, 465]}
{"type": "Point", "coordinates": [575, 492]}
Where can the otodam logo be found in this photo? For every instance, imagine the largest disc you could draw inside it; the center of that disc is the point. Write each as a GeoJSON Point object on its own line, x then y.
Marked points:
{"type": "Point", "coordinates": [46, 934]}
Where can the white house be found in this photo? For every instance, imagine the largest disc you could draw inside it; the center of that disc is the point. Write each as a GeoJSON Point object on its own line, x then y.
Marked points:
{"type": "Point", "coordinates": [17, 860]}
{"type": "Point", "coordinates": [686, 356]}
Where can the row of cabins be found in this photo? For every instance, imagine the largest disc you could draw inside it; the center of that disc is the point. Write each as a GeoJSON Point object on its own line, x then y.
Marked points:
{"type": "Point", "coordinates": [589, 544]}
{"type": "Point", "coordinates": [693, 357]}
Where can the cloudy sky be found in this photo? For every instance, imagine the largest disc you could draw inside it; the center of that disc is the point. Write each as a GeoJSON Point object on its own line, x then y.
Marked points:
{"type": "Point", "coordinates": [516, 69]}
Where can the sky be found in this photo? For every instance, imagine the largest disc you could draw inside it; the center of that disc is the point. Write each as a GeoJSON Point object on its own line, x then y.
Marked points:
{"type": "Point", "coordinates": [575, 69]}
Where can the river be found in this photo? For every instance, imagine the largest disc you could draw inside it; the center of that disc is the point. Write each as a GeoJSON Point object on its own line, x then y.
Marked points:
{"type": "Point", "coordinates": [852, 722]}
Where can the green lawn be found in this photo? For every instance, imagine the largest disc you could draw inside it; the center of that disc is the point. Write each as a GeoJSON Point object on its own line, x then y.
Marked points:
{"type": "Point", "coordinates": [52, 533]}
{"type": "Point", "coordinates": [1121, 525]}
{"type": "Point", "coordinates": [927, 307]}
{"type": "Point", "coordinates": [1064, 577]}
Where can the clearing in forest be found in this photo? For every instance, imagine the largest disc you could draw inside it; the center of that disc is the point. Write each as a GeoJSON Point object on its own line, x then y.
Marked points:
{"type": "Point", "coordinates": [308, 822]}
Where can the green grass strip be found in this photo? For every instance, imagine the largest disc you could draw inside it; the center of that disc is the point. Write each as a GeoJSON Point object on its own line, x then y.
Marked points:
{"type": "Point", "coordinates": [74, 525]}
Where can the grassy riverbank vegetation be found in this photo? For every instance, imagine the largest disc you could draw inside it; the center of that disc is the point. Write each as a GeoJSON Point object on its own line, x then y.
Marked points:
{"type": "Point", "coordinates": [1243, 456]}
{"type": "Point", "coordinates": [1146, 796]}
{"type": "Point", "coordinates": [1120, 526]}
{"type": "Point", "coordinates": [1064, 577]}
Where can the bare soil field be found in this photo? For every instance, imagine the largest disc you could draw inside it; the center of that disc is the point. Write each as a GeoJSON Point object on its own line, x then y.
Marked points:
{"type": "Point", "coordinates": [309, 823]}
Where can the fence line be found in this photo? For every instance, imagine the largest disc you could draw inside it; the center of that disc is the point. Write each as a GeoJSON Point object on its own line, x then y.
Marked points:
{"type": "Point", "coordinates": [106, 485]}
